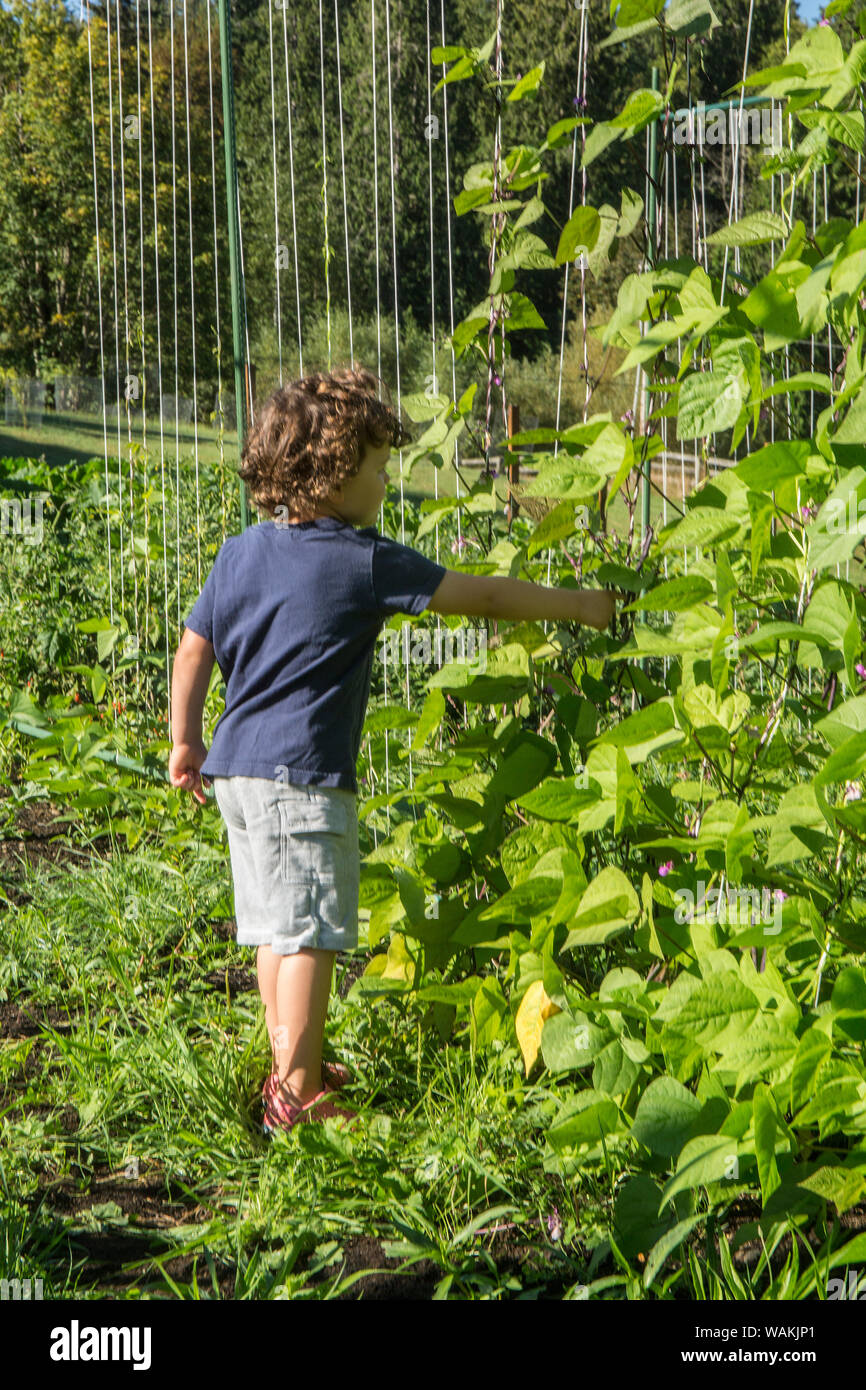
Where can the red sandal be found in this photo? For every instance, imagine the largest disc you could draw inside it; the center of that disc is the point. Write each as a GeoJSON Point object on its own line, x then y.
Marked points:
{"type": "Point", "coordinates": [334, 1075]}
{"type": "Point", "coordinates": [280, 1115]}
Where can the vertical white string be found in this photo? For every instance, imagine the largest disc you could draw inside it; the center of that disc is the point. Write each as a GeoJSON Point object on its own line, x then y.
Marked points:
{"type": "Point", "coordinates": [343, 168]}
{"type": "Point", "coordinates": [429, 133]}
{"type": "Point", "coordinates": [159, 364]}
{"type": "Point", "coordinates": [325, 181]}
{"type": "Point", "coordinates": [379, 366]}
{"type": "Point", "coordinates": [451, 311]}
{"type": "Point", "coordinates": [580, 91]}
{"type": "Point", "coordinates": [394, 249]}
{"type": "Point", "coordinates": [176, 336]}
{"type": "Point", "coordinates": [737, 138]}
{"type": "Point", "coordinates": [99, 304]}
{"type": "Point", "coordinates": [133, 564]}
{"type": "Point", "coordinates": [192, 314]}
{"type": "Point", "coordinates": [396, 320]}
{"type": "Point", "coordinates": [450, 285]}
{"type": "Point", "coordinates": [219, 413]}
{"type": "Point", "coordinates": [376, 209]}
{"type": "Point", "coordinates": [679, 345]}
{"type": "Point", "coordinates": [116, 309]}
{"type": "Point", "coordinates": [581, 61]}
{"type": "Point", "coordinates": [292, 184]}
{"type": "Point", "coordinates": [276, 203]}
{"type": "Point", "coordinates": [143, 341]}
{"type": "Point", "coordinates": [430, 127]}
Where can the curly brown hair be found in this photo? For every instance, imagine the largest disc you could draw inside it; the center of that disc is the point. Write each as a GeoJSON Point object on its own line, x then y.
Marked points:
{"type": "Point", "coordinates": [310, 436]}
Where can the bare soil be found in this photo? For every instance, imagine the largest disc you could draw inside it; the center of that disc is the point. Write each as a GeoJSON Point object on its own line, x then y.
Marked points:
{"type": "Point", "coordinates": [38, 834]}
{"type": "Point", "coordinates": [117, 1253]}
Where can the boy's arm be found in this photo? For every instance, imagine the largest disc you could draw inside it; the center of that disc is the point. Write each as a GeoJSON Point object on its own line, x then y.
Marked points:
{"type": "Point", "coordinates": [191, 672]}
{"type": "Point", "coordinates": [495, 596]}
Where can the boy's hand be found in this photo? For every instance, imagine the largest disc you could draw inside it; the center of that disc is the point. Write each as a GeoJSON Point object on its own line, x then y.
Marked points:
{"type": "Point", "coordinates": [597, 608]}
{"type": "Point", "coordinates": [183, 768]}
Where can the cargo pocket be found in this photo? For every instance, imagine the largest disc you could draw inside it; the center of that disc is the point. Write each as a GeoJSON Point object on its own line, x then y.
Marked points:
{"type": "Point", "coordinates": [313, 842]}
{"type": "Point", "coordinates": [300, 924]}
{"type": "Point", "coordinates": [337, 907]}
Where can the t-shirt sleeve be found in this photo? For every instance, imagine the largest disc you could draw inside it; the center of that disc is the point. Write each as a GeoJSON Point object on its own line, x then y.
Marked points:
{"type": "Point", "coordinates": [201, 617]}
{"type": "Point", "coordinates": [404, 580]}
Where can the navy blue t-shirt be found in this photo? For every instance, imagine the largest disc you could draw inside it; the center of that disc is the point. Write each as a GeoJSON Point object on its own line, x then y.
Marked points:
{"type": "Point", "coordinates": [293, 612]}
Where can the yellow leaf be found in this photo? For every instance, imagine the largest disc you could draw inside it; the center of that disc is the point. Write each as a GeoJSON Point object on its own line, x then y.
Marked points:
{"type": "Point", "coordinates": [400, 964]}
{"type": "Point", "coordinates": [534, 1008]}
{"type": "Point", "coordinates": [377, 964]}
{"type": "Point", "coordinates": [397, 964]}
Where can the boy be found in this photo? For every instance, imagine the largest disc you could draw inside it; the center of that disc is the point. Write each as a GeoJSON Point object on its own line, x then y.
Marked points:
{"type": "Point", "coordinates": [291, 611]}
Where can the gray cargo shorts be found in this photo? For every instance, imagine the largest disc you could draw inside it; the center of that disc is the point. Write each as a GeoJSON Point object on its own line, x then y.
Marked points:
{"type": "Point", "coordinates": [295, 863]}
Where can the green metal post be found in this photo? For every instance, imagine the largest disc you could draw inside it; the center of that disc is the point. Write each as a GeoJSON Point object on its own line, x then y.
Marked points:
{"type": "Point", "coordinates": [234, 235]}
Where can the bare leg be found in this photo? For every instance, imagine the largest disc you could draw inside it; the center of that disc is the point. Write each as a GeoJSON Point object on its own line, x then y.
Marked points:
{"type": "Point", "coordinates": [268, 965]}
{"type": "Point", "coordinates": [303, 986]}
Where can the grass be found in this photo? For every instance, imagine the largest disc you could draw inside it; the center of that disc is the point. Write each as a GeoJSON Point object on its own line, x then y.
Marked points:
{"type": "Point", "coordinates": [158, 1066]}
{"type": "Point", "coordinates": [78, 437]}
{"type": "Point", "coordinates": [133, 1165]}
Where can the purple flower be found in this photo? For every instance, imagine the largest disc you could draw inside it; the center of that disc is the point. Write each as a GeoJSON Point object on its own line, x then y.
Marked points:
{"type": "Point", "coordinates": [861, 670]}
{"type": "Point", "coordinates": [628, 417]}
{"type": "Point", "coordinates": [498, 380]}
{"type": "Point", "coordinates": [824, 24]}
{"type": "Point", "coordinates": [780, 896]}
{"type": "Point", "coordinates": [664, 869]}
